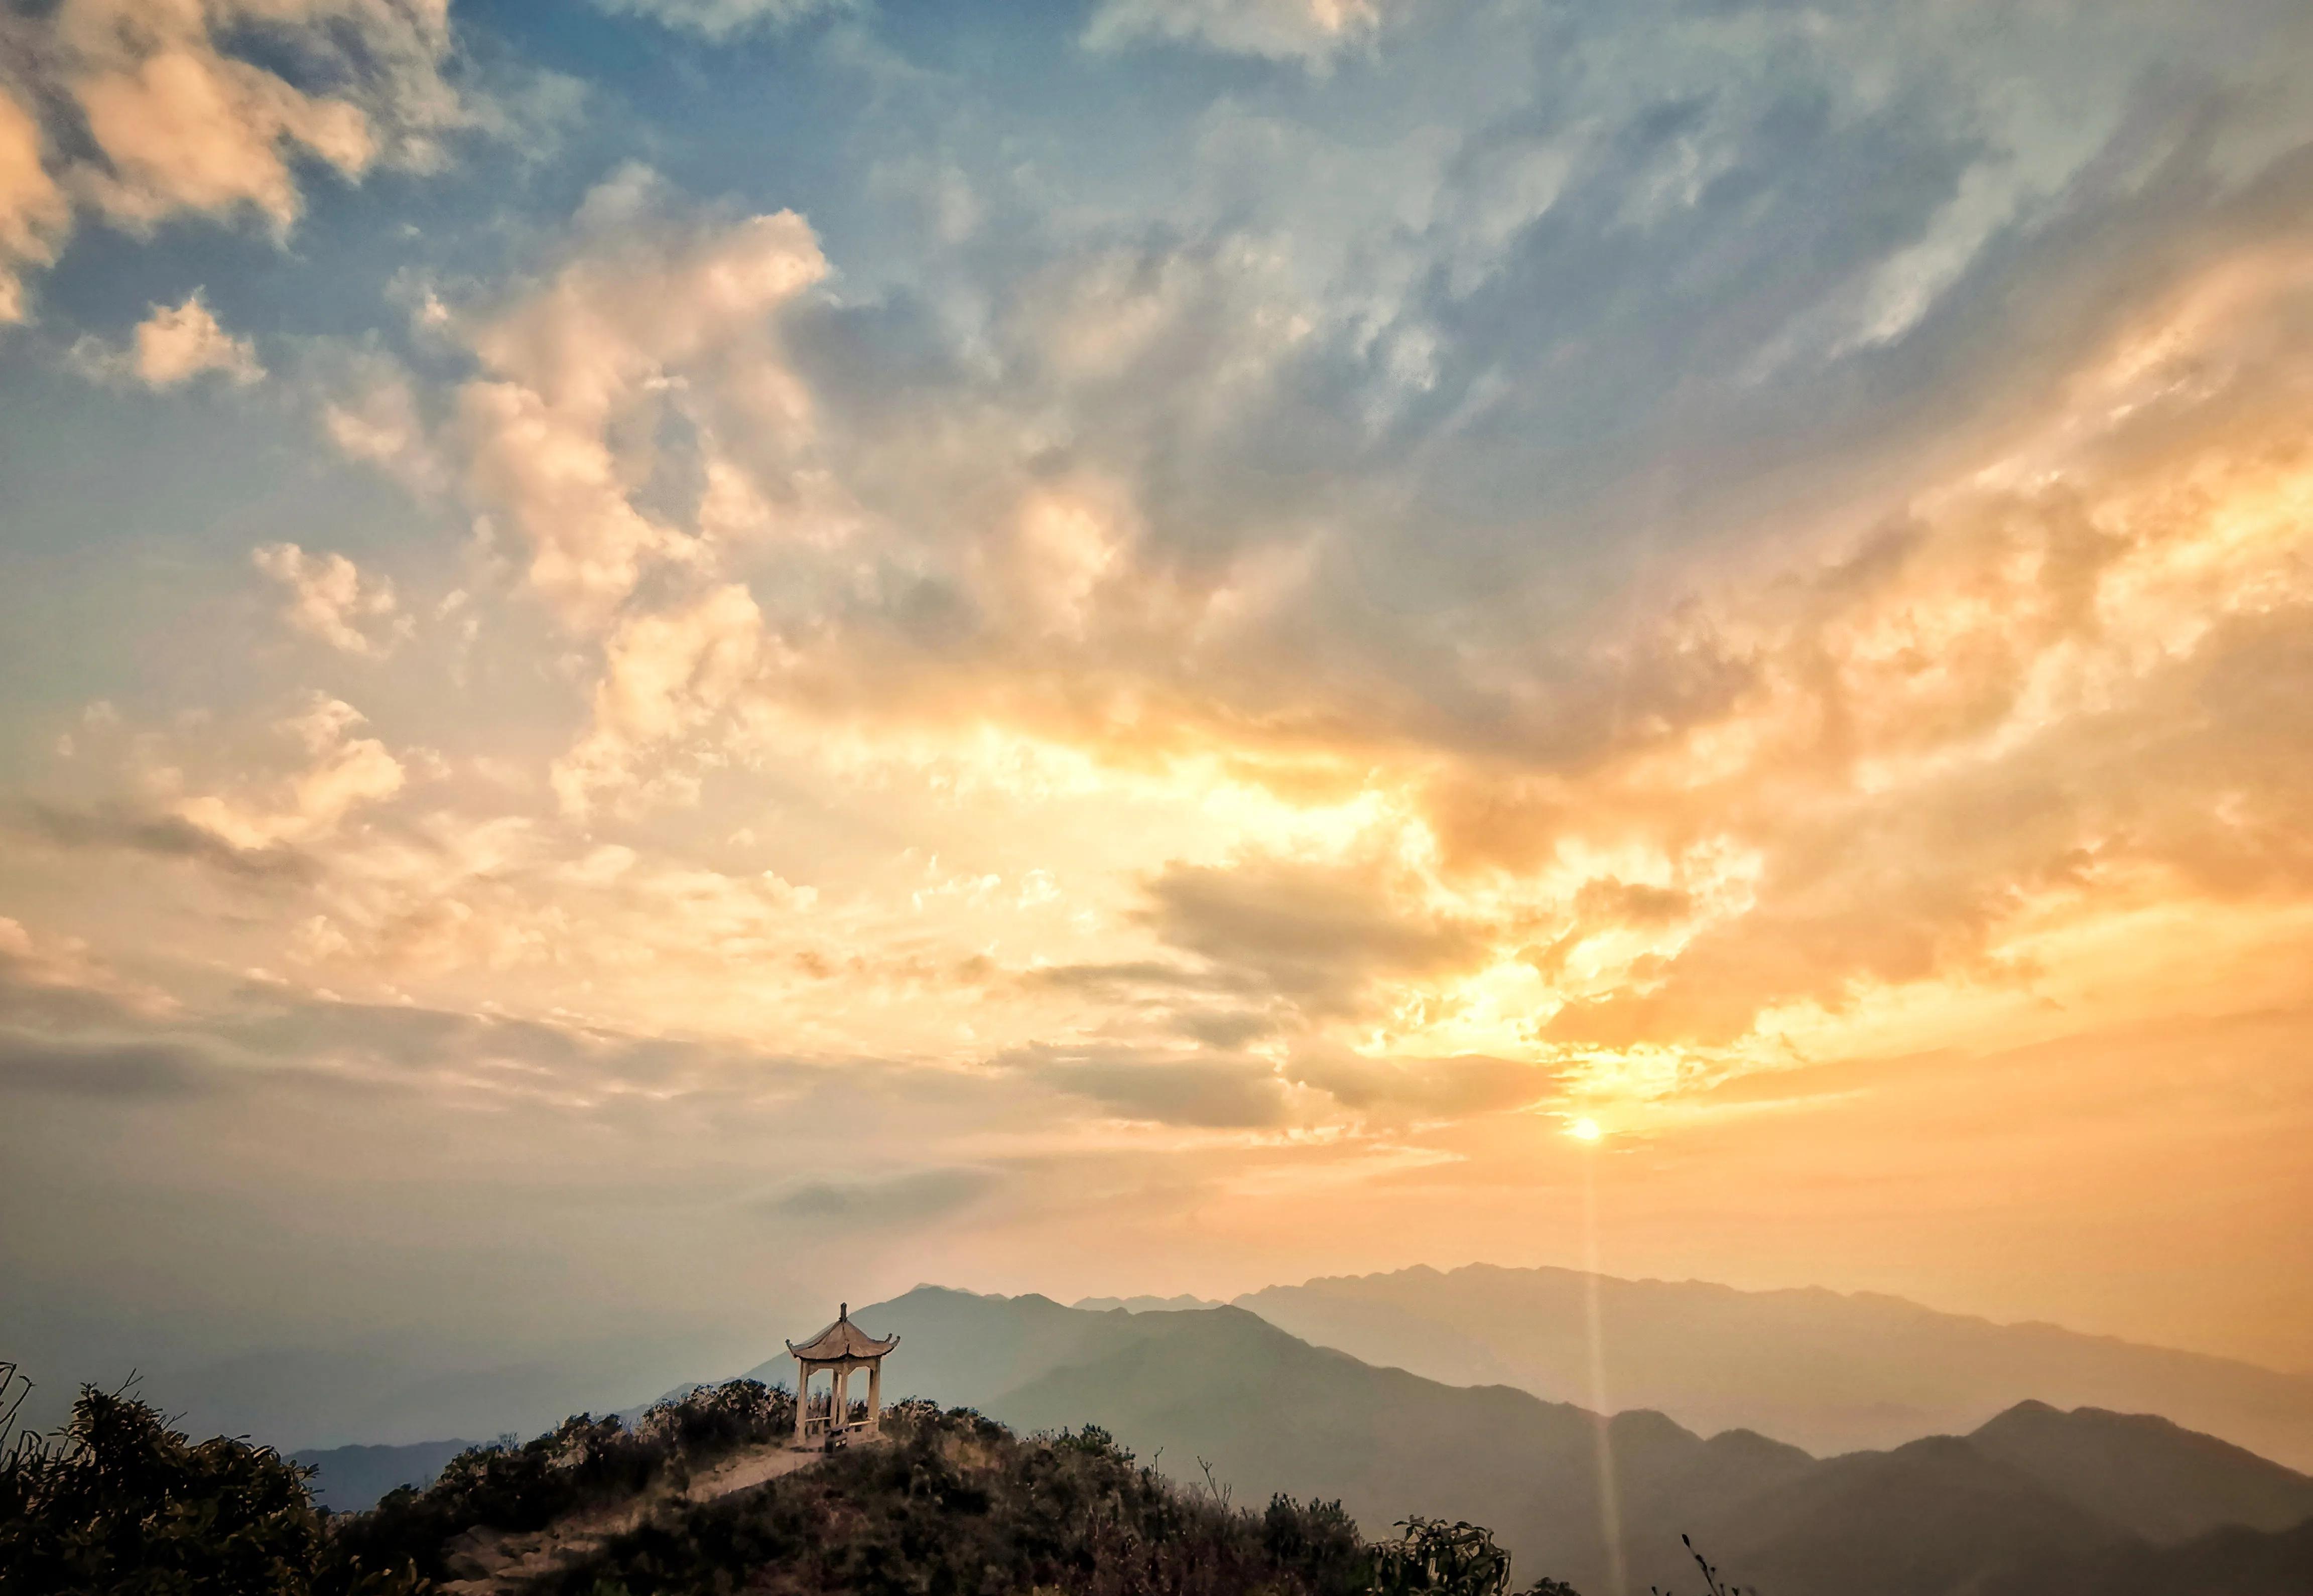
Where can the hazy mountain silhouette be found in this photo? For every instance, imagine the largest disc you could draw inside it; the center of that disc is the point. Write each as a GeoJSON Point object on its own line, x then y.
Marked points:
{"type": "Point", "coordinates": [2062, 1493]}
{"type": "Point", "coordinates": [1270, 1413]}
{"type": "Point", "coordinates": [1827, 1371]}
{"type": "Point", "coordinates": [353, 1478]}
{"type": "Point", "coordinates": [1929, 1517]}
{"type": "Point", "coordinates": [2165, 1482]}
{"type": "Point", "coordinates": [2229, 1562]}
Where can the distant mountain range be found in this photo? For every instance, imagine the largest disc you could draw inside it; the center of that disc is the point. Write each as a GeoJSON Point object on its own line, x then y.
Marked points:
{"type": "Point", "coordinates": [2036, 1502]}
{"type": "Point", "coordinates": [1985, 1485]}
{"type": "Point", "coordinates": [1825, 1370]}
{"type": "Point", "coordinates": [350, 1478]}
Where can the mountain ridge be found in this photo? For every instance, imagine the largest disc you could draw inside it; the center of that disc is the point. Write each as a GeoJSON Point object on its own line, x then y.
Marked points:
{"type": "Point", "coordinates": [1828, 1370]}
{"type": "Point", "coordinates": [1270, 1412]}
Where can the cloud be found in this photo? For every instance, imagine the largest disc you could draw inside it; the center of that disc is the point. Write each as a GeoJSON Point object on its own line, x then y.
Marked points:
{"type": "Point", "coordinates": [1608, 901]}
{"type": "Point", "coordinates": [1448, 1089]}
{"type": "Point", "coordinates": [721, 19]}
{"type": "Point", "coordinates": [58, 983]}
{"type": "Point", "coordinates": [170, 347]}
{"type": "Point", "coordinates": [375, 413]}
{"type": "Point", "coordinates": [1638, 544]}
{"type": "Point", "coordinates": [181, 122]}
{"type": "Point", "coordinates": [1309, 30]}
{"type": "Point", "coordinates": [342, 773]}
{"type": "Point", "coordinates": [169, 837]}
{"type": "Point", "coordinates": [1203, 1092]}
{"type": "Point", "coordinates": [1136, 531]}
{"type": "Point", "coordinates": [126, 1070]}
{"type": "Point", "coordinates": [2027, 705]}
{"type": "Point", "coordinates": [654, 305]}
{"type": "Point", "coordinates": [331, 599]}
{"type": "Point", "coordinates": [914, 1197]}
{"type": "Point", "coordinates": [1314, 933]}
{"type": "Point", "coordinates": [177, 343]}
{"type": "Point", "coordinates": [666, 677]}
{"type": "Point", "coordinates": [35, 212]}
{"type": "Point", "coordinates": [177, 107]}
{"type": "Point", "coordinates": [1223, 1030]}
{"type": "Point", "coordinates": [110, 1038]}
{"type": "Point", "coordinates": [1111, 980]}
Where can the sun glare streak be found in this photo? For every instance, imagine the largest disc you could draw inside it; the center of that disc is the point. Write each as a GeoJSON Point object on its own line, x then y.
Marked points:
{"type": "Point", "coordinates": [1610, 1513]}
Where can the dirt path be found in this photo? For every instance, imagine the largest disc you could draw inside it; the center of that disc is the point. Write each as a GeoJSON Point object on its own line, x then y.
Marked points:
{"type": "Point", "coordinates": [497, 1563]}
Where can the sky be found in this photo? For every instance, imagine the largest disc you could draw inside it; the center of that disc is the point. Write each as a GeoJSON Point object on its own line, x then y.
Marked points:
{"type": "Point", "coordinates": [665, 661]}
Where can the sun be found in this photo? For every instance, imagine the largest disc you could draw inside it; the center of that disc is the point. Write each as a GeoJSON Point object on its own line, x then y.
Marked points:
{"type": "Point", "coordinates": [1585, 1129]}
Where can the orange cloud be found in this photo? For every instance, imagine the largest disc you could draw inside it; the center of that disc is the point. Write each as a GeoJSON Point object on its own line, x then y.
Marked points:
{"type": "Point", "coordinates": [176, 118]}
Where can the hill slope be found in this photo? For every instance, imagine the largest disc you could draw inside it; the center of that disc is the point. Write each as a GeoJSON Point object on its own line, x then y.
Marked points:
{"type": "Point", "coordinates": [2230, 1562]}
{"type": "Point", "coordinates": [1932, 1517]}
{"type": "Point", "coordinates": [1828, 1372]}
{"type": "Point", "coordinates": [1270, 1413]}
{"type": "Point", "coordinates": [2164, 1482]}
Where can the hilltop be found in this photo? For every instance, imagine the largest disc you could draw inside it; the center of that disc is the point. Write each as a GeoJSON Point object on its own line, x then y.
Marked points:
{"type": "Point", "coordinates": [945, 1503]}
{"type": "Point", "coordinates": [1269, 1412]}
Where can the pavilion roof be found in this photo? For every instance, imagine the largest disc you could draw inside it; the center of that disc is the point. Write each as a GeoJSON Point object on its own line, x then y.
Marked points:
{"type": "Point", "coordinates": [843, 1340]}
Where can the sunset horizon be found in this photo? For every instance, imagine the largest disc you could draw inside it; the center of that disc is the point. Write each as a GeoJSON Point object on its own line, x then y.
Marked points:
{"type": "Point", "coordinates": [671, 661]}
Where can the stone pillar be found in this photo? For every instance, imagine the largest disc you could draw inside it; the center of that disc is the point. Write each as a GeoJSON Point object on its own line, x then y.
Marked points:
{"type": "Point", "coordinates": [838, 1408]}
{"type": "Point", "coordinates": [876, 1397]}
{"type": "Point", "coordinates": [803, 1398]}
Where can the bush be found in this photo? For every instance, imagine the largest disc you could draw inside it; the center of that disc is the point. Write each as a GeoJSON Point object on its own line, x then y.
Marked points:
{"type": "Point", "coordinates": [120, 1503]}
{"type": "Point", "coordinates": [958, 1506]}
{"type": "Point", "coordinates": [582, 1462]}
{"type": "Point", "coordinates": [1321, 1540]}
{"type": "Point", "coordinates": [1456, 1559]}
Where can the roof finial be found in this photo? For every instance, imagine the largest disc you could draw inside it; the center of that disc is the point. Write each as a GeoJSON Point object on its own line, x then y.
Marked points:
{"type": "Point", "coordinates": [843, 1310]}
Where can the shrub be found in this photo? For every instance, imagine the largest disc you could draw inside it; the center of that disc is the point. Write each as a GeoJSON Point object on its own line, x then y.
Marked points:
{"type": "Point", "coordinates": [1431, 1558]}
{"type": "Point", "coordinates": [583, 1461]}
{"type": "Point", "coordinates": [119, 1502]}
{"type": "Point", "coordinates": [958, 1506]}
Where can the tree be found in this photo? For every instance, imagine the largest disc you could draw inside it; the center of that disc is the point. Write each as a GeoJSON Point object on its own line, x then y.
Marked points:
{"type": "Point", "coordinates": [1431, 1558]}
{"type": "Point", "coordinates": [120, 1503]}
{"type": "Point", "coordinates": [1438, 1558]}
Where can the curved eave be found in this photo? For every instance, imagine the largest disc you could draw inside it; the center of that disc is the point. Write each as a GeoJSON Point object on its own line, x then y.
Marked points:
{"type": "Point", "coordinates": [829, 1348]}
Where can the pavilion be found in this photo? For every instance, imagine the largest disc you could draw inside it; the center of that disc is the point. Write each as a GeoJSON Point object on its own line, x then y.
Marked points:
{"type": "Point", "coordinates": [840, 1349]}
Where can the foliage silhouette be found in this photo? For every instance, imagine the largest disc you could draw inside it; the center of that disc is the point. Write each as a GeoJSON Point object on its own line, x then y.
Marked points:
{"type": "Point", "coordinates": [582, 1462]}
{"type": "Point", "coordinates": [119, 1503]}
{"type": "Point", "coordinates": [956, 1506]}
{"type": "Point", "coordinates": [1712, 1584]}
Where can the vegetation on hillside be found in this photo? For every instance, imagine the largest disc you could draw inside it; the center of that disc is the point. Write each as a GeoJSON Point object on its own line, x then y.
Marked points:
{"type": "Point", "coordinates": [119, 1503]}
{"type": "Point", "coordinates": [958, 1506]}
{"type": "Point", "coordinates": [584, 1462]}
{"type": "Point", "coordinates": [954, 1505]}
